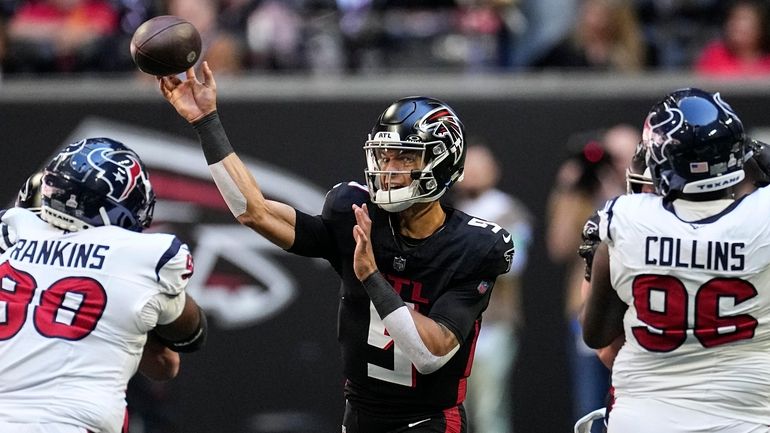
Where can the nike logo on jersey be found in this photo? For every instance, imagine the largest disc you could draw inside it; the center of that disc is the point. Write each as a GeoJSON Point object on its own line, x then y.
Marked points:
{"type": "Point", "coordinates": [412, 424]}
{"type": "Point", "coordinates": [507, 238]}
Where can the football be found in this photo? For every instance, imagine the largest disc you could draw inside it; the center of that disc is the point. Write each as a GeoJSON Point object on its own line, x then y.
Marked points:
{"type": "Point", "coordinates": [165, 45]}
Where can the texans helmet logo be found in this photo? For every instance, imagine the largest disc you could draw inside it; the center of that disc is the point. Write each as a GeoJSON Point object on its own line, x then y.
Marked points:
{"type": "Point", "coordinates": [125, 174]}
{"type": "Point", "coordinates": [658, 139]}
{"type": "Point", "coordinates": [118, 169]}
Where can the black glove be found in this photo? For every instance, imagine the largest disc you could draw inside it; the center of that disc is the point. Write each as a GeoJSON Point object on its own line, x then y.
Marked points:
{"type": "Point", "coordinates": [591, 241]}
{"type": "Point", "coordinates": [760, 158]}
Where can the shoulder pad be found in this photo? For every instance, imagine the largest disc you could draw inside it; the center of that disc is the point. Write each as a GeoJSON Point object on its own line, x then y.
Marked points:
{"type": "Point", "coordinates": [175, 267]}
{"type": "Point", "coordinates": [343, 196]}
{"type": "Point", "coordinates": [494, 239]}
{"type": "Point", "coordinates": [23, 221]}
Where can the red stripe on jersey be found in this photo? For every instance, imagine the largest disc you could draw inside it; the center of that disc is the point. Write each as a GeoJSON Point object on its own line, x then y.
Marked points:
{"type": "Point", "coordinates": [454, 422]}
{"type": "Point", "coordinates": [125, 422]}
{"type": "Point", "coordinates": [611, 398]}
{"type": "Point", "coordinates": [476, 327]}
{"type": "Point", "coordinates": [462, 388]}
{"type": "Point", "coordinates": [462, 385]}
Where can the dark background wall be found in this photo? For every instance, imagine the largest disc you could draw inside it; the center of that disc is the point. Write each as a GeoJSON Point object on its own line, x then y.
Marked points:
{"type": "Point", "coordinates": [283, 374]}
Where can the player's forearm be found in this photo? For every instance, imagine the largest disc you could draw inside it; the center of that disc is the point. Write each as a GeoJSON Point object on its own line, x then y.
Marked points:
{"type": "Point", "coordinates": [239, 189]}
{"type": "Point", "coordinates": [437, 338]}
{"type": "Point", "coordinates": [400, 322]}
{"type": "Point", "coordinates": [608, 354]}
{"type": "Point", "coordinates": [158, 362]}
{"type": "Point", "coordinates": [603, 319]}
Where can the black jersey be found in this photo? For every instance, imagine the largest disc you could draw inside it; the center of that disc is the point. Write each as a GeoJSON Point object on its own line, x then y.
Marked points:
{"type": "Point", "coordinates": [448, 277]}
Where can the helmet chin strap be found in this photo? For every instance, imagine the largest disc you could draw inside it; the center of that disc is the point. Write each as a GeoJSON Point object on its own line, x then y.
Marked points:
{"type": "Point", "coordinates": [398, 199]}
{"type": "Point", "coordinates": [105, 217]}
{"type": "Point", "coordinates": [62, 220]}
{"type": "Point", "coordinates": [714, 183]}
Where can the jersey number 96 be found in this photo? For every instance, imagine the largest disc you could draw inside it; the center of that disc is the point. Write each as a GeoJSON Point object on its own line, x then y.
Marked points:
{"type": "Point", "coordinates": [661, 302]}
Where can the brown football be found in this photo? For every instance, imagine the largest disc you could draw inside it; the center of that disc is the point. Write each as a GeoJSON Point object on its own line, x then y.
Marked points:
{"type": "Point", "coordinates": [165, 45]}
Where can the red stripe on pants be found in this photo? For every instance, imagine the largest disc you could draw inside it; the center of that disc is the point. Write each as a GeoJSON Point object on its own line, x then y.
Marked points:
{"type": "Point", "coordinates": [454, 422]}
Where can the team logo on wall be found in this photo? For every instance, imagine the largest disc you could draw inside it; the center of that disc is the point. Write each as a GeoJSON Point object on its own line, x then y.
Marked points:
{"type": "Point", "coordinates": [240, 278]}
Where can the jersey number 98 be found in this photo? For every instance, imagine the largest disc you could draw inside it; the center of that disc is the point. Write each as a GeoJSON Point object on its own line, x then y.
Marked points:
{"type": "Point", "coordinates": [68, 309]}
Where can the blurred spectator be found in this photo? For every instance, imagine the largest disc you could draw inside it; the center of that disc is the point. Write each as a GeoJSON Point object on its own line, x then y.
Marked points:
{"type": "Point", "coordinates": [744, 48]}
{"type": "Point", "coordinates": [606, 37]}
{"type": "Point", "coordinates": [489, 386]}
{"type": "Point", "coordinates": [222, 49]}
{"type": "Point", "coordinates": [544, 24]}
{"type": "Point", "coordinates": [474, 41]}
{"type": "Point", "coordinates": [323, 38]}
{"type": "Point", "coordinates": [132, 14]}
{"type": "Point", "coordinates": [61, 36]}
{"type": "Point", "coordinates": [274, 35]}
{"type": "Point", "coordinates": [593, 173]}
{"type": "Point", "coordinates": [678, 29]}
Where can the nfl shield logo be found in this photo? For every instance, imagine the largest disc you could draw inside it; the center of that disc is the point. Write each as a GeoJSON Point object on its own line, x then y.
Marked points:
{"type": "Point", "coordinates": [399, 263]}
{"type": "Point", "coordinates": [483, 287]}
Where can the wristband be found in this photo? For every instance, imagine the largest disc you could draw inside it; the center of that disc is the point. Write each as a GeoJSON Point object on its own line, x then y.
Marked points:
{"type": "Point", "coordinates": [192, 343]}
{"type": "Point", "coordinates": [384, 298]}
{"type": "Point", "coordinates": [211, 134]}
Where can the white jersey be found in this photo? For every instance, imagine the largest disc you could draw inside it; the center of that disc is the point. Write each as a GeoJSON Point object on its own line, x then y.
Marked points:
{"type": "Point", "coordinates": [698, 294]}
{"type": "Point", "coordinates": [75, 309]}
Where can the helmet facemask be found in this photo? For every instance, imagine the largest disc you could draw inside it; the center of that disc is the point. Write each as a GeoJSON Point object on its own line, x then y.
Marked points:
{"type": "Point", "coordinates": [413, 161]}
{"type": "Point", "coordinates": [638, 174]}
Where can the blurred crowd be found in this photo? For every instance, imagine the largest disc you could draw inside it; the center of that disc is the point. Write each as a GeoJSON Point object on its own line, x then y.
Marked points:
{"type": "Point", "coordinates": [714, 37]}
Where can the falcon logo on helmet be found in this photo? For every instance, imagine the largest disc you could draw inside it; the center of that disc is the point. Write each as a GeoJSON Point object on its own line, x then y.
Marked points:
{"type": "Point", "coordinates": [442, 123]}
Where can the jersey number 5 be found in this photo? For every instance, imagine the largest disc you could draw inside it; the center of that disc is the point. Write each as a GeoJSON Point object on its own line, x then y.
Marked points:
{"type": "Point", "coordinates": [661, 303]}
{"type": "Point", "coordinates": [68, 309]}
{"type": "Point", "coordinates": [402, 372]}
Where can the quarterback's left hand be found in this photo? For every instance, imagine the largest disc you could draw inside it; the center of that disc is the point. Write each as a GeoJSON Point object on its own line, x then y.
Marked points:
{"type": "Point", "coordinates": [363, 257]}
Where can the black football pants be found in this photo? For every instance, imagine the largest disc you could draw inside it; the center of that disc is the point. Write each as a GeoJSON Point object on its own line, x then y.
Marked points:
{"type": "Point", "coordinates": [452, 420]}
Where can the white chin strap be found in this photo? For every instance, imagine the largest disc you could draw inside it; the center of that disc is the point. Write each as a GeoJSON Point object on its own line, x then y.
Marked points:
{"type": "Point", "coordinates": [396, 200]}
{"type": "Point", "coordinates": [62, 220]}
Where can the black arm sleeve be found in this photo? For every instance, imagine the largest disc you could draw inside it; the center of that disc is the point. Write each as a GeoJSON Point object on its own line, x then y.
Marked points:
{"type": "Point", "coordinates": [192, 343]}
{"type": "Point", "coordinates": [214, 142]}
{"type": "Point", "coordinates": [311, 238]}
{"type": "Point", "coordinates": [460, 307]}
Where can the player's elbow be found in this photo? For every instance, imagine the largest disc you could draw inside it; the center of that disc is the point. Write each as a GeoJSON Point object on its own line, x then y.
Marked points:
{"type": "Point", "coordinates": [253, 217]}
{"type": "Point", "coordinates": [246, 220]}
{"type": "Point", "coordinates": [597, 338]}
{"type": "Point", "coordinates": [426, 362]}
{"type": "Point", "coordinates": [593, 342]}
{"type": "Point", "coordinates": [254, 220]}
{"type": "Point", "coordinates": [430, 366]}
